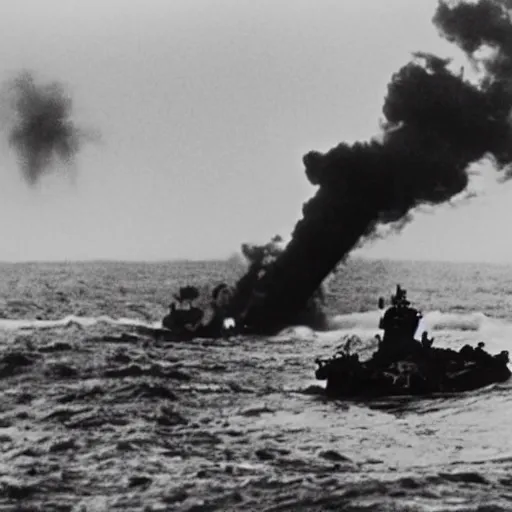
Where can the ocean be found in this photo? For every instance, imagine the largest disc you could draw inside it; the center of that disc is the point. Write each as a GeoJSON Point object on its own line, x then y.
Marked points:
{"type": "Point", "coordinates": [91, 421]}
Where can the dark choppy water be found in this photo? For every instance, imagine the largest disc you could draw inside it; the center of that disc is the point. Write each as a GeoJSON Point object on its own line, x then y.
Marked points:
{"type": "Point", "coordinates": [98, 425]}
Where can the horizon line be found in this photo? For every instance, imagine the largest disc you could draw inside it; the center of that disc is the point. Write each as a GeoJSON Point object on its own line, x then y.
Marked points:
{"type": "Point", "coordinates": [232, 257]}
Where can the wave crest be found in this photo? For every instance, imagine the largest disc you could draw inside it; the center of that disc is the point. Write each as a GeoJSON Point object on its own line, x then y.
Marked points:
{"type": "Point", "coordinates": [432, 321]}
{"type": "Point", "coordinates": [11, 324]}
{"type": "Point", "coordinates": [364, 321]}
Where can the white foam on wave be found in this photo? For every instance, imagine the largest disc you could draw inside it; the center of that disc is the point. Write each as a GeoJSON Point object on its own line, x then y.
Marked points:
{"type": "Point", "coordinates": [450, 329]}
{"type": "Point", "coordinates": [364, 321]}
{"type": "Point", "coordinates": [300, 332]}
{"type": "Point", "coordinates": [446, 327]}
{"type": "Point", "coordinates": [7, 324]}
{"type": "Point", "coordinates": [439, 321]}
{"type": "Point", "coordinates": [432, 321]}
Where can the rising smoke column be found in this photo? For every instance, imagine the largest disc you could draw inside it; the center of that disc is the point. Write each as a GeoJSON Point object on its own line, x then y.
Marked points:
{"type": "Point", "coordinates": [260, 258]}
{"type": "Point", "coordinates": [42, 131]}
{"type": "Point", "coordinates": [436, 125]}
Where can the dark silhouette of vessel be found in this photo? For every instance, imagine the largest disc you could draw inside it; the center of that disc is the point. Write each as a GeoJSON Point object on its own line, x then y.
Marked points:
{"type": "Point", "coordinates": [404, 366]}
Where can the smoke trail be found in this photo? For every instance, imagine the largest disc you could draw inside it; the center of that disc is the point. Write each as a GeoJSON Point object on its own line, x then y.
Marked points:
{"type": "Point", "coordinates": [42, 131]}
{"type": "Point", "coordinates": [260, 259]}
{"type": "Point", "coordinates": [437, 124]}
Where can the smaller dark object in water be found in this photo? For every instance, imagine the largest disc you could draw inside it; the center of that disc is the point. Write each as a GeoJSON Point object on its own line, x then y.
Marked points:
{"type": "Point", "coordinates": [178, 319]}
{"type": "Point", "coordinates": [170, 335]}
{"type": "Point", "coordinates": [163, 334]}
{"type": "Point", "coordinates": [182, 324]}
{"type": "Point", "coordinates": [187, 294]}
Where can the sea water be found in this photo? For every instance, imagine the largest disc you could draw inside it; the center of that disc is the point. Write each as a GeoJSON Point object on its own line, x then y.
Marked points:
{"type": "Point", "coordinates": [93, 421]}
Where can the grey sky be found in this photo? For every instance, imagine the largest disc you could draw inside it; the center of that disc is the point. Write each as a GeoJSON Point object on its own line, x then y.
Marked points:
{"type": "Point", "coordinates": [206, 108]}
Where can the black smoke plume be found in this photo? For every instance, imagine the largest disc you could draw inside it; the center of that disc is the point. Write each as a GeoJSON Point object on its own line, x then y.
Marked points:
{"type": "Point", "coordinates": [42, 131]}
{"type": "Point", "coordinates": [260, 259]}
{"type": "Point", "coordinates": [436, 124]}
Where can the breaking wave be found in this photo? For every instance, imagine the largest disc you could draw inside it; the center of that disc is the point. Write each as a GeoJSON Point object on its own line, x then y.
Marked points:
{"type": "Point", "coordinates": [449, 329]}
{"type": "Point", "coordinates": [432, 321]}
{"type": "Point", "coordinates": [363, 321]}
{"type": "Point", "coordinates": [8, 324]}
